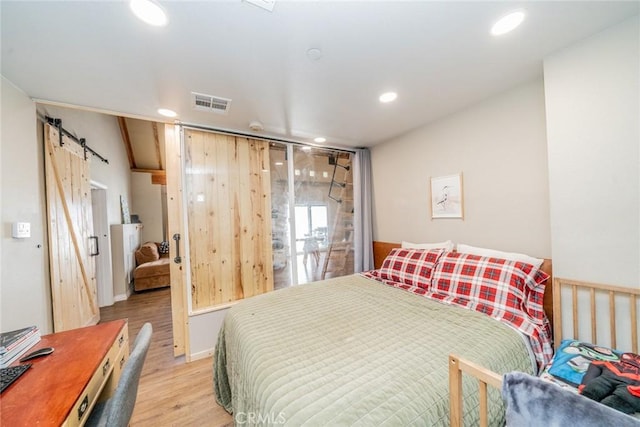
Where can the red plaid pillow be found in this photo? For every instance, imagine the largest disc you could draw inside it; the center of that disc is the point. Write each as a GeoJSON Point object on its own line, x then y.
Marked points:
{"type": "Point", "coordinates": [492, 283]}
{"type": "Point", "coordinates": [410, 266]}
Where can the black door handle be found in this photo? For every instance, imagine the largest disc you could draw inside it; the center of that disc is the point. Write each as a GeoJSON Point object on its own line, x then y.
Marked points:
{"type": "Point", "coordinates": [177, 258]}
{"type": "Point", "coordinates": [96, 247]}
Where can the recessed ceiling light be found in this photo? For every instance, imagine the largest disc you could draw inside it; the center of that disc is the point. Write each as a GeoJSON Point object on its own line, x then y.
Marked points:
{"type": "Point", "coordinates": [279, 163]}
{"type": "Point", "coordinates": [320, 140]}
{"type": "Point", "coordinates": [149, 11]}
{"type": "Point", "coordinates": [256, 126]}
{"type": "Point", "coordinates": [166, 112]}
{"type": "Point", "coordinates": [265, 4]}
{"type": "Point", "coordinates": [507, 23]}
{"type": "Point", "coordinates": [388, 97]}
{"type": "Point", "coordinates": [306, 148]}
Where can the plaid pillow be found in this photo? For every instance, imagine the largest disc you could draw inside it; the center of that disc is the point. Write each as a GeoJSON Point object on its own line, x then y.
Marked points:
{"type": "Point", "coordinates": [410, 266]}
{"type": "Point", "coordinates": [492, 284]}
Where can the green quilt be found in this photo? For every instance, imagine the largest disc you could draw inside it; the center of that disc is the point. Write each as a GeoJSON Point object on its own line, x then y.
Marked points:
{"type": "Point", "coordinates": [353, 351]}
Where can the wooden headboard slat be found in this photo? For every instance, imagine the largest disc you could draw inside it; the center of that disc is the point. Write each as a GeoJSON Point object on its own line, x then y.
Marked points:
{"type": "Point", "coordinates": [603, 290]}
{"type": "Point", "coordinates": [382, 249]}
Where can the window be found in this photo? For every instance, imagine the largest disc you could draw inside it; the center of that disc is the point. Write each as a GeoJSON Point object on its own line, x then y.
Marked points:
{"type": "Point", "coordinates": [311, 223]}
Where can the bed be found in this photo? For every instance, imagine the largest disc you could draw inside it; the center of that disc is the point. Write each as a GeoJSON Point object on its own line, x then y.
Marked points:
{"type": "Point", "coordinates": [359, 350]}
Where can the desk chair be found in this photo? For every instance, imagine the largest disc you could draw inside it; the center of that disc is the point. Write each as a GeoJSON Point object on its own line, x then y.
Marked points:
{"type": "Point", "coordinates": [311, 247]}
{"type": "Point", "coordinates": [116, 412]}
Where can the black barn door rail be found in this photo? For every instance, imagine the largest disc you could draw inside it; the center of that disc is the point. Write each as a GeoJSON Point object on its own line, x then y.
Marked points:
{"type": "Point", "coordinates": [57, 123]}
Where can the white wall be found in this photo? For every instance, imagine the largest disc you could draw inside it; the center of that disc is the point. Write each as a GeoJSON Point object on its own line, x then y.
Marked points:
{"type": "Point", "coordinates": [500, 147]}
{"type": "Point", "coordinates": [203, 332]}
{"type": "Point", "coordinates": [592, 100]}
{"type": "Point", "coordinates": [147, 204]}
{"type": "Point", "coordinates": [25, 297]}
{"type": "Point", "coordinates": [593, 118]}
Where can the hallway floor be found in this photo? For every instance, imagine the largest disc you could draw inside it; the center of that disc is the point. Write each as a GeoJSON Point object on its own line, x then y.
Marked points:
{"type": "Point", "coordinates": [171, 392]}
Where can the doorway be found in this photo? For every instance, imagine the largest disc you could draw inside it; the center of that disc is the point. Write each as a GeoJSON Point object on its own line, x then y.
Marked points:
{"type": "Point", "coordinates": [104, 278]}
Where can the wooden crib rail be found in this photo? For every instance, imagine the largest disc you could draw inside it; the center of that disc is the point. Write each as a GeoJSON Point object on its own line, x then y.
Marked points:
{"type": "Point", "coordinates": [594, 289]}
{"type": "Point", "coordinates": [458, 366]}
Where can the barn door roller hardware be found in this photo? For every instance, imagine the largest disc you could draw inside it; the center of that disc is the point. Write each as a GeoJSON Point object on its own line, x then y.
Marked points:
{"type": "Point", "coordinates": [57, 123]}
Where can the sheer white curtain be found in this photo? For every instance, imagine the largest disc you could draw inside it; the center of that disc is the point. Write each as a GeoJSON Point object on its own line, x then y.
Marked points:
{"type": "Point", "coordinates": [363, 237]}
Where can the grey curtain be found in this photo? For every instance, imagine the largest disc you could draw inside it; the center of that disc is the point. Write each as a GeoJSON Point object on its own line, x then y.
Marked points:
{"type": "Point", "coordinates": [363, 233]}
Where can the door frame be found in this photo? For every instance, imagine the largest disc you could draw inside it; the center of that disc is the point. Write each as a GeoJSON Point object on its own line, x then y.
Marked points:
{"type": "Point", "coordinates": [175, 226]}
{"type": "Point", "coordinates": [104, 275]}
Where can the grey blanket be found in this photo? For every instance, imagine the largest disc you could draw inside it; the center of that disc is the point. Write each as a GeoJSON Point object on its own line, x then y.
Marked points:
{"type": "Point", "coordinates": [531, 402]}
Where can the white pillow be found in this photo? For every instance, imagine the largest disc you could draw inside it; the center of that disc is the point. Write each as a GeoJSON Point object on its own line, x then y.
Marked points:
{"type": "Point", "coordinates": [447, 245]}
{"type": "Point", "coordinates": [511, 256]}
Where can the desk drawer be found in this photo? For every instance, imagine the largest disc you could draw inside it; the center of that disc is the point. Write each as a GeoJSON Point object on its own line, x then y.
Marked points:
{"type": "Point", "coordinates": [120, 352]}
{"type": "Point", "coordinates": [103, 382]}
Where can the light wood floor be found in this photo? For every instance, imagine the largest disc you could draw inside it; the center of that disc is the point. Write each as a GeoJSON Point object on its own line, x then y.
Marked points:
{"type": "Point", "coordinates": [171, 392]}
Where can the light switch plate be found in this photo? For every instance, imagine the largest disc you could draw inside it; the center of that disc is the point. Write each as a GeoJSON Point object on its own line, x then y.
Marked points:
{"type": "Point", "coordinates": [21, 230]}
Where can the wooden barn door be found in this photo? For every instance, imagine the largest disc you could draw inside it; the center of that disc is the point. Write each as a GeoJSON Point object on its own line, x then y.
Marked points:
{"type": "Point", "coordinates": [228, 207]}
{"type": "Point", "coordinates": [73, 282]}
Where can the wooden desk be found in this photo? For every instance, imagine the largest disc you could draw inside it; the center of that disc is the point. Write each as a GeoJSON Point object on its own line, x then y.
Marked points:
{"type": "Point", "coordinates": [63, 387]}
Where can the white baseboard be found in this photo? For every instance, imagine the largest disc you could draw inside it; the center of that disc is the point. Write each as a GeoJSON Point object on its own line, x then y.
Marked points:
{"type": "Point", "coordinates": [202, 354]}
{"type": "Point", "coordinates": [124, 297]}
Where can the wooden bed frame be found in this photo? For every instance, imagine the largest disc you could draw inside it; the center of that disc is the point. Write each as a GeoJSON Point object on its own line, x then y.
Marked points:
{"type": "Point", "coordinates": [553, 309]}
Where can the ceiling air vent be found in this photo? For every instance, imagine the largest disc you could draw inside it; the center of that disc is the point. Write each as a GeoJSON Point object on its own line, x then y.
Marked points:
{"type": "Point", "coordinates": [210, 103]}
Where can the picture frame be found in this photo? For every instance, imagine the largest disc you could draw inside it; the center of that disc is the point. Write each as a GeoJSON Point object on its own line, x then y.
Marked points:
{"type": "Point", "coordinates": [124, 207]}
{"type": "Point", "coordinates": [446, 198]}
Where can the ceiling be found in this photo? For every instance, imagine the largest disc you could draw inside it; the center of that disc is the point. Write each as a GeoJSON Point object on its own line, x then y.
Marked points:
{"type": "Point", "coordinates": [144, 146]}
{"type": "Point", "coordinates": [438, 56]}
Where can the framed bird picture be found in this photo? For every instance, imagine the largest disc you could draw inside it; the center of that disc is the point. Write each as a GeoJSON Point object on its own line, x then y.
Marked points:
{"type": "Point", "coordinates": [447, 197]}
